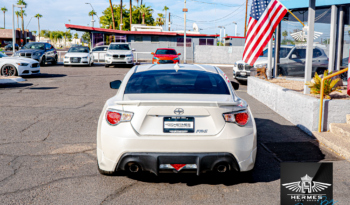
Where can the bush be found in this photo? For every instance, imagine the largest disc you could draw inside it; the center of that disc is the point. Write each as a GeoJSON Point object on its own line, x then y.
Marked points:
{"type": "Point", "coordinates": [329, 85]}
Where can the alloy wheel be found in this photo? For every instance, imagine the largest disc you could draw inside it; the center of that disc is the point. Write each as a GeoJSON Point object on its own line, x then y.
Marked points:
{"type": "Point", "coordinates": [8, 70]}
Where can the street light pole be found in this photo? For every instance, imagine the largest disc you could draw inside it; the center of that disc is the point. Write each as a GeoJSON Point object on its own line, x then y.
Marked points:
{"type": "Point", "coordinates": [99, 24]}
{"type": "Point", "coordinates": [13, 26]}
{"type": "Point", "coordinates": [185, 42]}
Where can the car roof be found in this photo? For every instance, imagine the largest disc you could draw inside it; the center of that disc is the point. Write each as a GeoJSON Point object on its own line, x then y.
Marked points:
{"type": "Point", "coordinates": [197, 67]}
{"type": "Point", "coordinates": [165, 49]}
{"type": "Point", "coordinates": [118, 43]}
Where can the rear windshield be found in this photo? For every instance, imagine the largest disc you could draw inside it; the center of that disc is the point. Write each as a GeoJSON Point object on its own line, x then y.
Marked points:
{"type": "Point", "coordinates": [180, 82]}
{"type": "Point", "coordinates": [166, 52]}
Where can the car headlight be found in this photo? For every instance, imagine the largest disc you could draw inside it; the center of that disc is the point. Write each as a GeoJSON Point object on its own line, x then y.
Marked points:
{"type": "Point", "coordinates": [36, 54]}
{"type": "Point", "coordinates": [108, 55]}
{"type": "Point", "coordinates": [128, 55]}
{"type": "Point", "coordinates": [235, 65]}
{"type": "Point", "coordinates": [22, 64]}
{"type": "Point", "coordinates": [155, 58]}
{"type": "Point", "coordinates": [261, 65]}
{"type": "Point", "coordinates": [176, 59]}
{"type": "Point", "coordinates": [66, 57]}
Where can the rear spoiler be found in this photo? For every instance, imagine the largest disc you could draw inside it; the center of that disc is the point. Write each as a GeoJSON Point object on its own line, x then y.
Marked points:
{"type": "Point", "coordinates": [178, 103]}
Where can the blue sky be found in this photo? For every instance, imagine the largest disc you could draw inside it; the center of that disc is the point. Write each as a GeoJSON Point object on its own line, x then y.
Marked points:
{"type": "Point", "coordinates": [56, 13]}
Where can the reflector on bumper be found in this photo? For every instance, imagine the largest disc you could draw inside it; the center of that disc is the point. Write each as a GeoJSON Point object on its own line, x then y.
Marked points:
{"type": "Point", "coordinates": [178, 167]}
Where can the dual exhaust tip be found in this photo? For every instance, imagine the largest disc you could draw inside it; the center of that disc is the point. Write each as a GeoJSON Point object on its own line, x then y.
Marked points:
{"type": "Point", "coordinates": [134, 168]}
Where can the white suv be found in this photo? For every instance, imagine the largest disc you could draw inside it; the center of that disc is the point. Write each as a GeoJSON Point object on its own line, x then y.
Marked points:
{"type": "Point", "coordinates": [119, 53]}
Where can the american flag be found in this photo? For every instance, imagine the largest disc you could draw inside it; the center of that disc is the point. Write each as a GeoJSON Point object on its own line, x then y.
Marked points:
{"type": "Point", "coordinates": [265, 15]}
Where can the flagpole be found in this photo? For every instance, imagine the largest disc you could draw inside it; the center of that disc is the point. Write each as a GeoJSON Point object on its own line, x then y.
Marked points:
{"type": "Point", "coordinates": [245, 24]}
{"type": "Point", "coordinates": [296, 17]}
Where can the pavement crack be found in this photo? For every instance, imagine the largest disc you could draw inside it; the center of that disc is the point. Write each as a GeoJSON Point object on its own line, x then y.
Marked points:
{"type": "Point", "coordinates": [47, 136]}
{"type": "Point", "coordinates": [117, 193]}
{"type": "Point", "coordinates": [29, 126]}
{"type": "Point", "coordinates": [15, 170]}
{"type": "Point", "coordinates": [84, 105]}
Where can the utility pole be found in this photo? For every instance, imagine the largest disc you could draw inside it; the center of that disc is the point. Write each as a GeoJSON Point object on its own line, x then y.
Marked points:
{"type": "Point", "coordinates": [245, 24]}
{"type": "Point", "coordinates": [169, 23]}
{"type": "Point", "coordinates": [121, 14]}
{"type": "Point", "coordinates": [185, 10]}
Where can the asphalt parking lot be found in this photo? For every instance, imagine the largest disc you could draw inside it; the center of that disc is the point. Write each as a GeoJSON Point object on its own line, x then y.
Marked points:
{"type": "Point", "coordinates": [48, 149]}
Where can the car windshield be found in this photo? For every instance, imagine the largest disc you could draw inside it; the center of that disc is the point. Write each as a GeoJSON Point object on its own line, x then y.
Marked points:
{"type": "Point", "coordinates": [36, 46]}
{"type": "Point", "coordinates": [3, 55]}
{"type": "Point", "coordinates": [119, 47]}
{"type": "Point", "coordinates": [166, 52]}
{"type": "Point", "coordinates": [78, 50]}
{"type": "Point", "coordinates": [176, 82]}
{"type": "Point", "coordinates": [283, 52]}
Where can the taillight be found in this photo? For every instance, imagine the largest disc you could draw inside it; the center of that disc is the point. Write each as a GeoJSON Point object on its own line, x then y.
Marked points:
{"type": "Point", "coordinates": [240, 118]}
{"type": "Point", "coordinates": [114, 117]}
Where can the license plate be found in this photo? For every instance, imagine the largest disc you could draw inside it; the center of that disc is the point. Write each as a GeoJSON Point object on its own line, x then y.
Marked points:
{"type": "Point", "coordinates": [243, 74]}
{"type": "Point", "coordinates": [178, 124]}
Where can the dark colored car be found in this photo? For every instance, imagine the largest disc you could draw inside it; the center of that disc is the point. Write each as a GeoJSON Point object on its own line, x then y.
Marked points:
{"type": "Point", "coordinates": [9, 47]}
{"type": "Point", "coordinates": [42, 52]}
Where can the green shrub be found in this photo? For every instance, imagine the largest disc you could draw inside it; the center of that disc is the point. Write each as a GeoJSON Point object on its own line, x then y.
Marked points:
{"type": "Point", "coordinates": [329, 85]}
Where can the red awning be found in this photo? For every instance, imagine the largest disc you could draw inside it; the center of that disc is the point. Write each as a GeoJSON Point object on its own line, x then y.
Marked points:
{"type": "Point", "coordinates": [104, 30]}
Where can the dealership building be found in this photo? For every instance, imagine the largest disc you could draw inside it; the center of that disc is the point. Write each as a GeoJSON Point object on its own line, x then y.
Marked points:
{"type": "Point", "coordinates": [6, 36]}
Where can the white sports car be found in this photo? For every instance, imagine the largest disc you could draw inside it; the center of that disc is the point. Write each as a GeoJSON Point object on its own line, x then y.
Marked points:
{"type": "Point", "coordinates": [178, 118]}
{"type": "Point", "coordinates": [13, 66]}
{"type": "Point", "coordinates": [78, 55]}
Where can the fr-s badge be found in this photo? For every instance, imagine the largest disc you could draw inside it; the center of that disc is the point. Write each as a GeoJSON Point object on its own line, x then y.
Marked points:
{"type": "Point", "coordinates": [201, 131]}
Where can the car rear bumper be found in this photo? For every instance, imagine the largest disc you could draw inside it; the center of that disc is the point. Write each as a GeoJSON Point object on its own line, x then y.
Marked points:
{"type": "Point", "coordinates": [113, 148]}
{"type": "Point", "coordinates": [156, 162]}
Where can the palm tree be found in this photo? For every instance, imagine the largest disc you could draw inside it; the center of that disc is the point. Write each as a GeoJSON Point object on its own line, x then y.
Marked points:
{"type": "Point", "coordinates": [18, 13]}
{"type": "Point", "coordinates": [121, 14]}
{"type": "Point", "coordinates": [165, 9]}
{"type": "Point", "coordinates": [285, 34]}
{"type": "Point", "coordinates": [140, 12]}
{"type": "Point", "coordinates": [38, 16]}
{"type": "Point", "coordinates": [112, 10]}
{"type": "Point", "coordinates": [130, 15]}
{"type": "Point", "coordinates": [92, 13]}
{"type": "Point", "coordinates": [76, 36]}
{"type": "Point", "coordinates": [22, 2]}
{"type": "Point", "coordinates": [160, 19]}
{"type": "Point", "coordinates": [144, 10]}
{"type": "Point", "coordinates": [4, 9]}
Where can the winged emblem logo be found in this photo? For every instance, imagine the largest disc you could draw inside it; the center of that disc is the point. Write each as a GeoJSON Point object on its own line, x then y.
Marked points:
{"type": "Point", "coordinates": [306, 183]}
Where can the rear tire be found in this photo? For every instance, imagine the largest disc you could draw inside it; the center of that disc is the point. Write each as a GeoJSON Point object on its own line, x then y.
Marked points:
{"type": "Point", "coordinates": [43, 61]}
{"type": "Point", "coordinates": [106, 66]}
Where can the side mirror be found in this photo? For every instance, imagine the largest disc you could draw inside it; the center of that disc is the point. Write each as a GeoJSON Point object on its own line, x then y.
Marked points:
{"type": "Point", "coordinates": [235, 85]}
{"type": "Point", "coordinates": [179, 54]}
{"type": "Point", "coordinates": [294, 56]}
{"type": "Point", "coordinates": [115, 84]}
{"type": "Point", "coordinates": [152, 53]}
{"type": "Point", "coordinates": [133, 49]}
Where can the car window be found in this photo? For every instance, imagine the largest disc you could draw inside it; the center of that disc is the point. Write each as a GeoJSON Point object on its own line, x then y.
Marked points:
{"type": "Point", "coordinates": [48, 46]}
{"type": "Point", "coordinates": [3, 55]}
{"type": "Point", "coordinates": [166, 52]}
{"type": "Point", "coordinates": [78, 50]}
{"type": "Point", "coordinates": [176, 82]}
{"type": "Point", "coordinates": [316, 53]}
{"type": "Point", "coordinates": [36, 46]}
{"type": "Point", "coordinates": [283, 52]}
{"type": "Point", "coordinates": [300, 52]}
{"type": "Point", "coordinates": [119, 47]}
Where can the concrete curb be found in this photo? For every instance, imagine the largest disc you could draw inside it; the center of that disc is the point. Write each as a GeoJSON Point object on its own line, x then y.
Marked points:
{"type": "Point", "coordinates": [11, 80]}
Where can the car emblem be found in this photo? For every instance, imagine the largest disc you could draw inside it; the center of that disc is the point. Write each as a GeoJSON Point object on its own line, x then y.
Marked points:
{"type": "Point", "coordinates": [179, 111]}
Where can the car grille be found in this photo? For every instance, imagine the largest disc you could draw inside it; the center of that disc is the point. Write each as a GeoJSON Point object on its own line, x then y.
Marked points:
{"type": "Point", "coordinates": [166, 61]}
{"type": "Point", "coordinates": [118, 56]}
{"type": "Point", "coordinates": [25, 55]}
{"type": "Point", "coordinates": [244, 67]}
{"type": "Point", "coordinates": [35, 65]}
{"type": "Point", "coordinates": [75, 60]}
